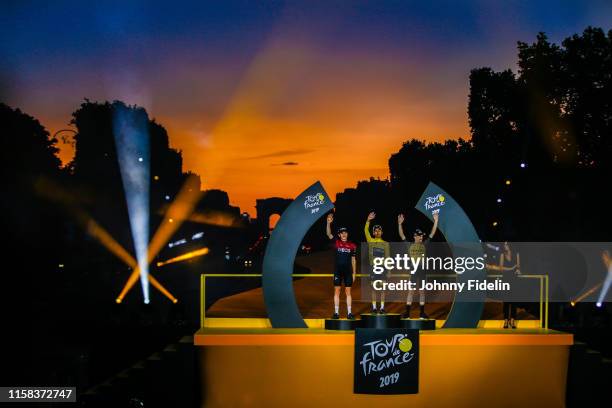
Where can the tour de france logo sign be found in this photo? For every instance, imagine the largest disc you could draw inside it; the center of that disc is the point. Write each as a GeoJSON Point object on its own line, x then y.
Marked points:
{"type": "Point", "coordinates": [313, 201]}
{"type": "Point", "coordinates": [435, 202]}
{"type": "Point", "coordinates": [386, 361]}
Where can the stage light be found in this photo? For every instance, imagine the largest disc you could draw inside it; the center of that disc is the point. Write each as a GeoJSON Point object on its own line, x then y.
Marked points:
{"type": "Point", "coordinates": [56, 192]}
{"type": "Point", "coordinates": [134, 277]}
{"type": "Point", "coordinates": [97, 231]}
{"type": "Point", "coordinates": [605, 286]}
{"type": "Point", "coordinates": [499, 200]}
{"type": "Point", "coordinates": [587, 293]}
{"type": "Point", "coordinates": [184, 257]}
{"type": "Point", "coordinates": [163, 290]}
{"type": "Point", "coordinates": [604, 290]}
{"type": "Point", "coordinates": [573, 304]}
{"type": "Point", "coordinates": [146, 301]}
{"type": "Point", "coordinates": [495, 223]}
{"type": "Point", "coordinates": [167, 198]}
{"type": "Point", "coordinates": [156, 178]}
{"type": "Point", "coordinates": [491, 246]}
{"type": "Point", "coordinates": [130, 282]}
{"type": "Point", "coordinates": [523, 165]}
{"type": "Point", "coordinates": [508, 182]}
{"type": "Point", "coordinates": [177, 243]}
{"type": "Point", "coordinates": [179, 210]}
{"type": "Point", "coordinates": [130, 128]}
{"type": "Point", "coordinates": [598, 304]}
{"type": "Point", "coordinates": [60, 265]}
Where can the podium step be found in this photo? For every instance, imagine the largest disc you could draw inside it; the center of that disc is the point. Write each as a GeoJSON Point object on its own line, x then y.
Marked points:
{"type": "Point", "coordinates": [381, 321]}
{"type": "Point", "coordinates": [342, 324]}
{"type": "Point", "coordinates": [419, 324]}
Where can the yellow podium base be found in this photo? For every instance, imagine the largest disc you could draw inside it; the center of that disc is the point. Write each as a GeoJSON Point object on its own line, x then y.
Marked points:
{"type": "Point", "coordinates": [258, 366]}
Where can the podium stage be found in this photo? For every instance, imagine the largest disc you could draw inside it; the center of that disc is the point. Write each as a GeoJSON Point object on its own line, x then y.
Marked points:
{"type": "Point", "coordinates": [245, 362]}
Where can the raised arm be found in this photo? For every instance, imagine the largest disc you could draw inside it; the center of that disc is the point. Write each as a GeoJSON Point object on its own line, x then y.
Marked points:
{"type": "Point", "coordinates": [330, 218]}
{"type": "Point", "coordinates": [435, 225]}
{"type": "Point", "coordinates": [400, 229]}
{"type": "Point", "coordinates": [366, 229]}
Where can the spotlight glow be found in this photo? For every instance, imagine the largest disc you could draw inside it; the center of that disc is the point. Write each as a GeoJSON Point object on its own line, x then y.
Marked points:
{"type": "Point", "coordinates": [179, 210]}
{"type": "Point", "coordinates": [132, 280]}
{"type": "Point", "coordinates": [163, 290]}
{"type": "Point", "coordinates": [184, 257]}
{"type": "Point", "coordinates": [608, 281]}
{"type": "Point", "coordinates": [586, 294]}
{"type": "Point", "coordinates": [59, 194]}
{"type": "Point", "coordinates": [130, 127]}
{"type": "Point", "coordinates": [604, 289]}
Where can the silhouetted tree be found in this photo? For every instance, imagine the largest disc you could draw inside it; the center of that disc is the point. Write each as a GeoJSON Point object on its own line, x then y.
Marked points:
{"type": "Point", "coordinates": [28, 155]}
{"type": "Point", "coordinates": [33, 235]}
{"type": "Point", "coordinates": [354, 204]}
{"type": "Point", "coordinates": [546, 130]}
{"type": "Point", "coordinates": [587, 106]}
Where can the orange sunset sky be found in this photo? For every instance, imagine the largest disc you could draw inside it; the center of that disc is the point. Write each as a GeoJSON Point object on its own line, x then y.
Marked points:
{"type": "Point", "coordinates": [265, 98]}
{"type": "Point", "coordinates": [296, 116]}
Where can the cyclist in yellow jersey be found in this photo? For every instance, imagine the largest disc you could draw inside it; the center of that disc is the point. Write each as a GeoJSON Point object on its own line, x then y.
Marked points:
{"type": "Point", "coordinates": [377, 248]}
{"type": "Point", "coordinates": [417, 249]}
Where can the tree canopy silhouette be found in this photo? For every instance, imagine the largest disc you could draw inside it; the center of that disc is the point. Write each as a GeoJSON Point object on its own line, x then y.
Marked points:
{"type": "Point", "coordinates": [540, 138]}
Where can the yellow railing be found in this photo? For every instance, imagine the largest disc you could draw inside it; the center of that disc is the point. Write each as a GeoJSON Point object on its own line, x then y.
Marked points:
{"type": "Point", "coordinates": [543, 287]}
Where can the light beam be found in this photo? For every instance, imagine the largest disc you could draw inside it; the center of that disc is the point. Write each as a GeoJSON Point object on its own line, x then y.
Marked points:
{"type": "Point", "coordinates": [130, 128]}
{"type": "Point", "coordinates": [184, 257]}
